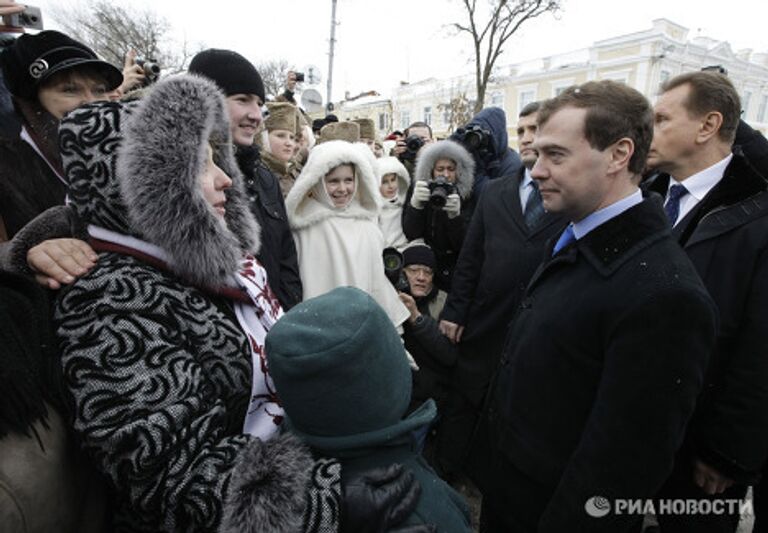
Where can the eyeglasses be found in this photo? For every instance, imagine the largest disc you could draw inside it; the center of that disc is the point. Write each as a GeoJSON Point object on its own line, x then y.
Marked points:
{"type": "Point", "coordinates": [413, 269]}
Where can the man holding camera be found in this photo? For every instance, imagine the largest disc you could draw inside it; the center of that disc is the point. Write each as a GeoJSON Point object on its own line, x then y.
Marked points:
{"type": "Point", "coordinates": [434, 354]}
{"type": "Point", "coordinates": [417, 136]}
{"type": "Point", "coordinates": [485, 137]}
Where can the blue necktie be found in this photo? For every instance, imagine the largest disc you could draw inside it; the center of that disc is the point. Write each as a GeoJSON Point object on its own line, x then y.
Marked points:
{"type": "Point", "coordinates": [672, 207]}
{"type": "Point", "coordinates": [534, 209]}
{"type": "Point", "coordinates": [566, 238]}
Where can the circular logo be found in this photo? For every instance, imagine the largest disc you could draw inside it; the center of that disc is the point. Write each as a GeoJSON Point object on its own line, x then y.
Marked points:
{"type": "Point", "coordinates": [37, 68]}
{"type": "Point", "coordinates": [597, 506]}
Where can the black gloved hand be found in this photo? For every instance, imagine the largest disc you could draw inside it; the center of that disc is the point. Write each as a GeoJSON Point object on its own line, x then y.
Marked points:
{"type": "Point", "coordinates": [379, 499]}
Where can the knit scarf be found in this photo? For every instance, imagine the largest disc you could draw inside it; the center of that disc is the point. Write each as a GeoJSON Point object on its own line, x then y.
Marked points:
{"type": "Point", "coordinates": [256, 307]}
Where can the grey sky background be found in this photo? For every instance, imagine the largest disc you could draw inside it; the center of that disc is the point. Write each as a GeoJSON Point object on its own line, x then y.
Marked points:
{"type": "Point", "coordinates": [380, 43]}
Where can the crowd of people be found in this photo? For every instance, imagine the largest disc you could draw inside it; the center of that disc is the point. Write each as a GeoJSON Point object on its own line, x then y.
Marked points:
{"type": "Point", "coordinates": [221, 315]}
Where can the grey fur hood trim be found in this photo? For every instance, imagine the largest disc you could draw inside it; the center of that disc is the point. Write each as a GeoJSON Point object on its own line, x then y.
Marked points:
{"type": "Point", "coordinates": [163, 154]}
{"type": "Point", "coordinates": [465, 164]}
{"type": "Point", "coordinates": [302, 209]}
{"type": "Point", "coordinates": [268, 488]}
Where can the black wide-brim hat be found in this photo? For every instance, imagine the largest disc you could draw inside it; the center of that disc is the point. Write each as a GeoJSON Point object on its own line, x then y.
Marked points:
{"type": "Point", "coordinates": [32, 59]}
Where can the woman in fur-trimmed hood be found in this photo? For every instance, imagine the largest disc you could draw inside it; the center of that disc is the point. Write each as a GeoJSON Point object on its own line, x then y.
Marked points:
{"type": "Point", "coordinates": [393, 184]}
{"type": "Point", "coordinates": [162, 341]}
{"type": "Point", "coordinates": [333, 210]}
{"type": "Point", "coordinates": [440, 214]}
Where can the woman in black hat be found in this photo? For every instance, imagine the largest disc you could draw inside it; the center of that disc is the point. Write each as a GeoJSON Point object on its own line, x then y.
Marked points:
{"type": "Point", "coordinates": [48, 74]}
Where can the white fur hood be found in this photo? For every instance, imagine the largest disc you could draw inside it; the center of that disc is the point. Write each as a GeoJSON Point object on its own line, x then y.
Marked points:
{"type": "Point", "coordinates": [304, 211]}
{"type": "Point", "coordinates": [465, 164]}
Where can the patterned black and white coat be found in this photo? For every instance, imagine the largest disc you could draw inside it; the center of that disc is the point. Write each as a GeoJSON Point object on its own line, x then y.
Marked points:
{"type": "Point", "coordinates": [157, 369]}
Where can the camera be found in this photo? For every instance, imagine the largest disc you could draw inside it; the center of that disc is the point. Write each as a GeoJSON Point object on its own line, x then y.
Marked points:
{"type": "Point", "coordinates": [439, 189]}
{"type": "Point", "coordinates": [393, 269]}
{"type": "Point", "coordinates": [31, 18]}
{"type": "Point", "coordinates": [474, 138]}
{"type": "Point", "coordinates": [151, 70]}
{"type": "Point", "coordinates": [412, 146]}
{"type": "Point", "coordinates": [299, 77]}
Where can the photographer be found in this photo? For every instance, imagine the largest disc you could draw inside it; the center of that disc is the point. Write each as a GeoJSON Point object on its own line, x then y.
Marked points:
{"type": "Point", "coordinates": [439, 204]}
{"type": "Point", "coordinates": [433, 352]}
{"type": "Point", "coordinates": [416, 136]}
{"type": "Point", "coordinates": [485, 137]}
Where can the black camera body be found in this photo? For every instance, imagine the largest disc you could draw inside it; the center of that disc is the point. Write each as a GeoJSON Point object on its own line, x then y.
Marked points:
{"type": "Point", "coordinates": [299, 77]}
{"type": "Point", "coordinates": [475, 139]}
{"type": "Point", "coordinates": [412, 146]}
{"type": "Point", "coordinates": [151, 70]}
{"type": "Point", "coordinates": [439, 189]}
{"type": "Point", "coordinates": [393, 269]}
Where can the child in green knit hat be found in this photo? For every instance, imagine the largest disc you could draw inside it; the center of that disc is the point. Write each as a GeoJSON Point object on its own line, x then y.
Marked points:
{"type": "Point", "coordinates": [343, 378]}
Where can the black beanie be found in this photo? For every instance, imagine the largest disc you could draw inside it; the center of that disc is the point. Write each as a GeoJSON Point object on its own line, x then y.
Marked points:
{"type": "Point", "coordinates": [32, 59]}
{"type": "Point", "coordinates": [419, 254]}
{"type": "Point", "coordinates": [232, 72]}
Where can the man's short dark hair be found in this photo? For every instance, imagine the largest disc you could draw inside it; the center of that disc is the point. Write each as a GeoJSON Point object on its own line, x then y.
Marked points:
{"type": "Point", "coordinates": [418, 125]}
{"type": "Point", "coordinates": [710, 91]}
{"type": "Point", "coordinates": [614, 111]}
{"type": "Point", "coordinates": [529, 109]}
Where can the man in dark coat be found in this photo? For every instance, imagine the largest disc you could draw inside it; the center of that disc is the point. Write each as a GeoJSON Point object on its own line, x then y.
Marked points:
{"type": "Point", "coordinates": [504, 245]}
{"type": "Point", "coordinates": [718, 205]}
{"type": "Point", "coordinates": [596, 382]}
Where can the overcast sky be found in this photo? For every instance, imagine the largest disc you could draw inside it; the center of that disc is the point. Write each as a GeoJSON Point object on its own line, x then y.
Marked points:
{"type": "Point", "coordinates": [379, 43]}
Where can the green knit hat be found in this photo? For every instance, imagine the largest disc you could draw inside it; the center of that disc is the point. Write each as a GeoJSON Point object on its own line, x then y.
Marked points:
{"type": "Point", "coordinates": [340, 370]}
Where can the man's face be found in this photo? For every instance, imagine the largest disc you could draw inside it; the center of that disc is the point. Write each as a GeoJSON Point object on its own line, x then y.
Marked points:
{"type": "Point", "coordinates": [244, 116]}
{"type": "Point", "coordinates": [572, 176]}
{"type": "Point", "coordinates": [526, 130]}
{"type": "Point", "coordinates": [674, 133]}
{"type": "Point", "coordinates": [421, 132]}
{"type": "Point", "coordinates": [420, 280]}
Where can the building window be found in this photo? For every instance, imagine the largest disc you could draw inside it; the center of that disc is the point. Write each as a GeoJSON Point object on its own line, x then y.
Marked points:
{"type": "Point", "coordinates": [405, 119]}
{"type": "Point", "coordinates": [428, 115]}
{"type": "Point", "coordinates": [497, 99]}
{"type": "Point", "coordinates": [761, 110]}
{"type": "Point", "coordinates": [383, 122]}
{"type": "Point", "coordinates": [745, 103]}
{"type": "Point", "coordinates": [560, 90]}
{"type": "Point", "coordinates": [664, 75]}
{"type": "Point", "coordinates": [447, 115]}
{"type": "Point", "coordinates": [525, 98]}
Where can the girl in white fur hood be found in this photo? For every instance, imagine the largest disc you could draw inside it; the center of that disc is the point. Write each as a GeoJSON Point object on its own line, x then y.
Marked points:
{"type": "Point", "coordinates": [333, 210]}
{"type": "Point", "coordinates": [393, 185]}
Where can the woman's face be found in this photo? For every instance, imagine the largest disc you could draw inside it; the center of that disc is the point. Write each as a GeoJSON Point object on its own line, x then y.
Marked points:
{"type": "Point", "coordinates": [282, 144]}
{"type": "Point", "coordinates": [68, 90]}
{"type": "Point", "coordinates": [388, 187]}
{"type": "Point", "coordinates": [340, 185]}
{"type": "Point", "coordinates": [445, 167]}
{"type": "Point", "coordinates": [214, 182]}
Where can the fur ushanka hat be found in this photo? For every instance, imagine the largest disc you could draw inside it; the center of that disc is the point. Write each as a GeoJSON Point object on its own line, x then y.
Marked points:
{"type": "Point", "coordinates": [282, 116]}
{"type": "Point", "coordinates": [340, 131]}
{"type": "Point", "coordinates": [367, 128]}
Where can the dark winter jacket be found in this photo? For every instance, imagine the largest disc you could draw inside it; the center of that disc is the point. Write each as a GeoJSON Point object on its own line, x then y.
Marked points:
{"type": "Point", "coordinates": [158, 370]}
{"type": "Point", "coordinates": [432, 351]}
{"type": "Point", "coordinates": [503, 160]}
{"type": "Point", "coordinates": [600, 372]}
{"type": "Point", "coordinates": [346, 383]}
{"type": "Point", "coordinates": [444, 235]}
{"type": "Point", "coordinates": [278, 251]}
{"type": "Point", "coordinates": [726, 238]}
{"type": "Point", "coordinates": [28, 183]}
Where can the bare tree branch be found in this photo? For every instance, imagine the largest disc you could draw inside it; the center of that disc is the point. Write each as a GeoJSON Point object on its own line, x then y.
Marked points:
{"type": "Point", "coordinates": [501, 20]}
{"type": "Point", "coordinates": [274, 73]}
{"type": "Point", "coordinates": [111, 30]}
